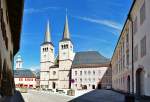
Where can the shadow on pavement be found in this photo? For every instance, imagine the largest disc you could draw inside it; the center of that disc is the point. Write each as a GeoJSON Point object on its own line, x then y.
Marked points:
{"type": "Point", "coordinates": [100, 96]}
{"type": "Point", "coordinates": [17, 97]}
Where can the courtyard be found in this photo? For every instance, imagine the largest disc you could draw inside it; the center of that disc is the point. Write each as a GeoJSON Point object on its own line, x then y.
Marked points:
{"type": "Point", "coordinates": [81, 96]}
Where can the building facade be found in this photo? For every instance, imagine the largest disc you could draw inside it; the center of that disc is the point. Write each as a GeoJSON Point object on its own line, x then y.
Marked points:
{"type": "Point", "coordinates": [23, 77]}
{"type": "Point", "coordinates": [52, 68]}
{"type": "Point", "coordinates": [130, 61]}
{"type": "Point", "coordinates": [10, 28]}
{"type": "Point", "coordinates": [89, 71]}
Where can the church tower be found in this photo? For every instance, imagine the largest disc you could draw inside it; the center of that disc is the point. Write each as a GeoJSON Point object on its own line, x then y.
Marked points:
{"type": "Point", "coordinates": [65, 57]}
{"type": "Point", "coordinates": [19, 62]}
{"type": "Point", "coordinates": [47, 58]}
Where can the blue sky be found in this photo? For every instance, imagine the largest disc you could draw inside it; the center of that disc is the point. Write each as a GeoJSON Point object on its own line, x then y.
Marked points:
{"type": "Point", "coordinates": [93, 25]}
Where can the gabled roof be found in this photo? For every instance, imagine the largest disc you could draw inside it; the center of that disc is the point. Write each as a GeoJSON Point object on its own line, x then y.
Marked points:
{"type": "Point", "coordinates": [89, 58]}
{"type": "Point", "coordinates": [24, 73]}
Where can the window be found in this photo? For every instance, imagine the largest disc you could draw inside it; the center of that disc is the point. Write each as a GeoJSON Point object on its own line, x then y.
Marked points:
{"type": "Point", "coordinates": [89, 72]}
{"type": "Point", "coordinates": [85, 72]}
{"type": "Point", "coordinates": [80, 80]}
{"type": "Point", "coordinates": [142, 13]}
{"type": "Point", "coordinates": [80, 72]}
{"type": "Point", "coordinates": [76, 85]}
{"type": "Point", "coordinates": [135, 53]}
{"type": "Point", "coordinates": [93, 72]}
{"type": "Point", "coordinates": [135, 26]}
{"type": "Point", "coordinates": [66, 46]}
{"type": "Point", "coordinates": [143, 46]}
{"type": "Point", "coordinates": [127, 59]}
{"type": "Point", "coordinates": [62, 47]}
{"type": "Point", "coordinates": [127, 40]}
{"type": "Point", "coordinates": [76, 73]}
{"type": "Point", "coordinates": [54, 72]}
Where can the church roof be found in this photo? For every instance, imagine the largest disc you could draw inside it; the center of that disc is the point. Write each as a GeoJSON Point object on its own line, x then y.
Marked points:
{"type": "Point", "coordinates": [24, 73]}
{"type": "Point", "coordinates": [66, 33]}
{"type": "Point", "coordinates": [89, 58]}
{"type": "Point", "coordinates": [47, 39]}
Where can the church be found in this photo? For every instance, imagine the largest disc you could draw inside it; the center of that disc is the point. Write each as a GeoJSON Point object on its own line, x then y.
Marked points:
{"type": "Point", "coordinates": [56, 72]}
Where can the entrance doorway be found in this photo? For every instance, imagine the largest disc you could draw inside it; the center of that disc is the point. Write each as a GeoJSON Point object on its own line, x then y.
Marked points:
{"type": "Point", "coordinates": [99, 86]}
{"type": "Point", "coordinates": [128, 84]}
{"type": "Point", "coordinates": [93, 86]}
{"type": "Point", "coordinates": [53, 85]}
{"type": "Point", "coordinates": [139, 82]}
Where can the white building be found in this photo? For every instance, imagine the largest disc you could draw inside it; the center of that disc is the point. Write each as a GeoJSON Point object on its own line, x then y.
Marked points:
{"type": "Point", "coordinates": [23, 77]}
{"type": "Point", "coordinates": [130, 61]}
{"type": "Point", "coordinates": [88, 71]}
{"type": "Point", "coordinates": [50, 72]}
{"type": "Point", "coordinates": [56, 72]}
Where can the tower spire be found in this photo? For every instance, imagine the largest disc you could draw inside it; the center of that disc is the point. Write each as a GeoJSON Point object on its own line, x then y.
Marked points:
{"type": "Point", "coordinates": [47, 34]}
{"type": "Point", "coordinates": [66, 34]}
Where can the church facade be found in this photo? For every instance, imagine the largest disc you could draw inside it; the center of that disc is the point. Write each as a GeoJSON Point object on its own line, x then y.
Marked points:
{"type": "Point", "coordinates": [56, 73]}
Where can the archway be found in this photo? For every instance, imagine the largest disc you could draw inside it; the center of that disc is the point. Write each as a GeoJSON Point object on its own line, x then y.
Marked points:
{"type": "Point", "coordinates": [93, 86]}
{"type": "Point", "coordinates": [139, 82]}
{"type": "Point", "coordinates": [128, 84]}
{"type": "Point", "coordinates": [99, 86]}
{"type": "Point", "coordinates": [53, 85]}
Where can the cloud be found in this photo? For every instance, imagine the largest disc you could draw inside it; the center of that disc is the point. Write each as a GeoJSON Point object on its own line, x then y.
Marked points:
{"type": "Point", "coordinates": [91, 38]}
{"type": "Point", "coordinates": [34, 68]}
{"type": "Point", "coordinates": [107, 23]}
{"type": "Point", "coordinates": [37, 10]}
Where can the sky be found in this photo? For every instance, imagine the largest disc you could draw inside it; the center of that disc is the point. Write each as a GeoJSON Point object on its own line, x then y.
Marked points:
{"type": "Point", "coordinates": [93, 24]}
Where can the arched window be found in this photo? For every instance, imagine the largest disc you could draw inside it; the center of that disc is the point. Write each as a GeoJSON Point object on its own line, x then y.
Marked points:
{"type": "Point", "coordinates": [67, 46]}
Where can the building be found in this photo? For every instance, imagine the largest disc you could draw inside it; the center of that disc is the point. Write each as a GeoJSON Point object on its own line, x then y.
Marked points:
{"type": "Point", "coordinates": [24, 77]}
{"type": "Point", "coordinates": [130, 61]}
{"type": "Point", "coordinates": [56, 73]}
{"type": "Point", "coordinates": [88, 70]}
{"type": "Point", "coordinates": [10, 28]}
{"type": "Point", "coordinates": [49, 76]}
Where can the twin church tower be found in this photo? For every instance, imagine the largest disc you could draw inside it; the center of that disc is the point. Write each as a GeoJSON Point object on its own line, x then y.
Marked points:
{"type": "Point", "coordinates": [55, 71]}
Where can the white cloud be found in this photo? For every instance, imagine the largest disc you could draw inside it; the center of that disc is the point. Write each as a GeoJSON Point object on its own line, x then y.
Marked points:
{"type": "Point", "coordinates": [91, 38]}
{"type": "Point", "coordinates": [34, 68]}
{"type": "Point", "coordinates": [37, 10]}
{"type": "Point", "coordinates": [107, 23]}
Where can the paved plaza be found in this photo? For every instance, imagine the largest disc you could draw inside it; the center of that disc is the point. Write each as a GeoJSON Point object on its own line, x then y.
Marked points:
{"type": "Point", "coordinates": [90, 96]}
